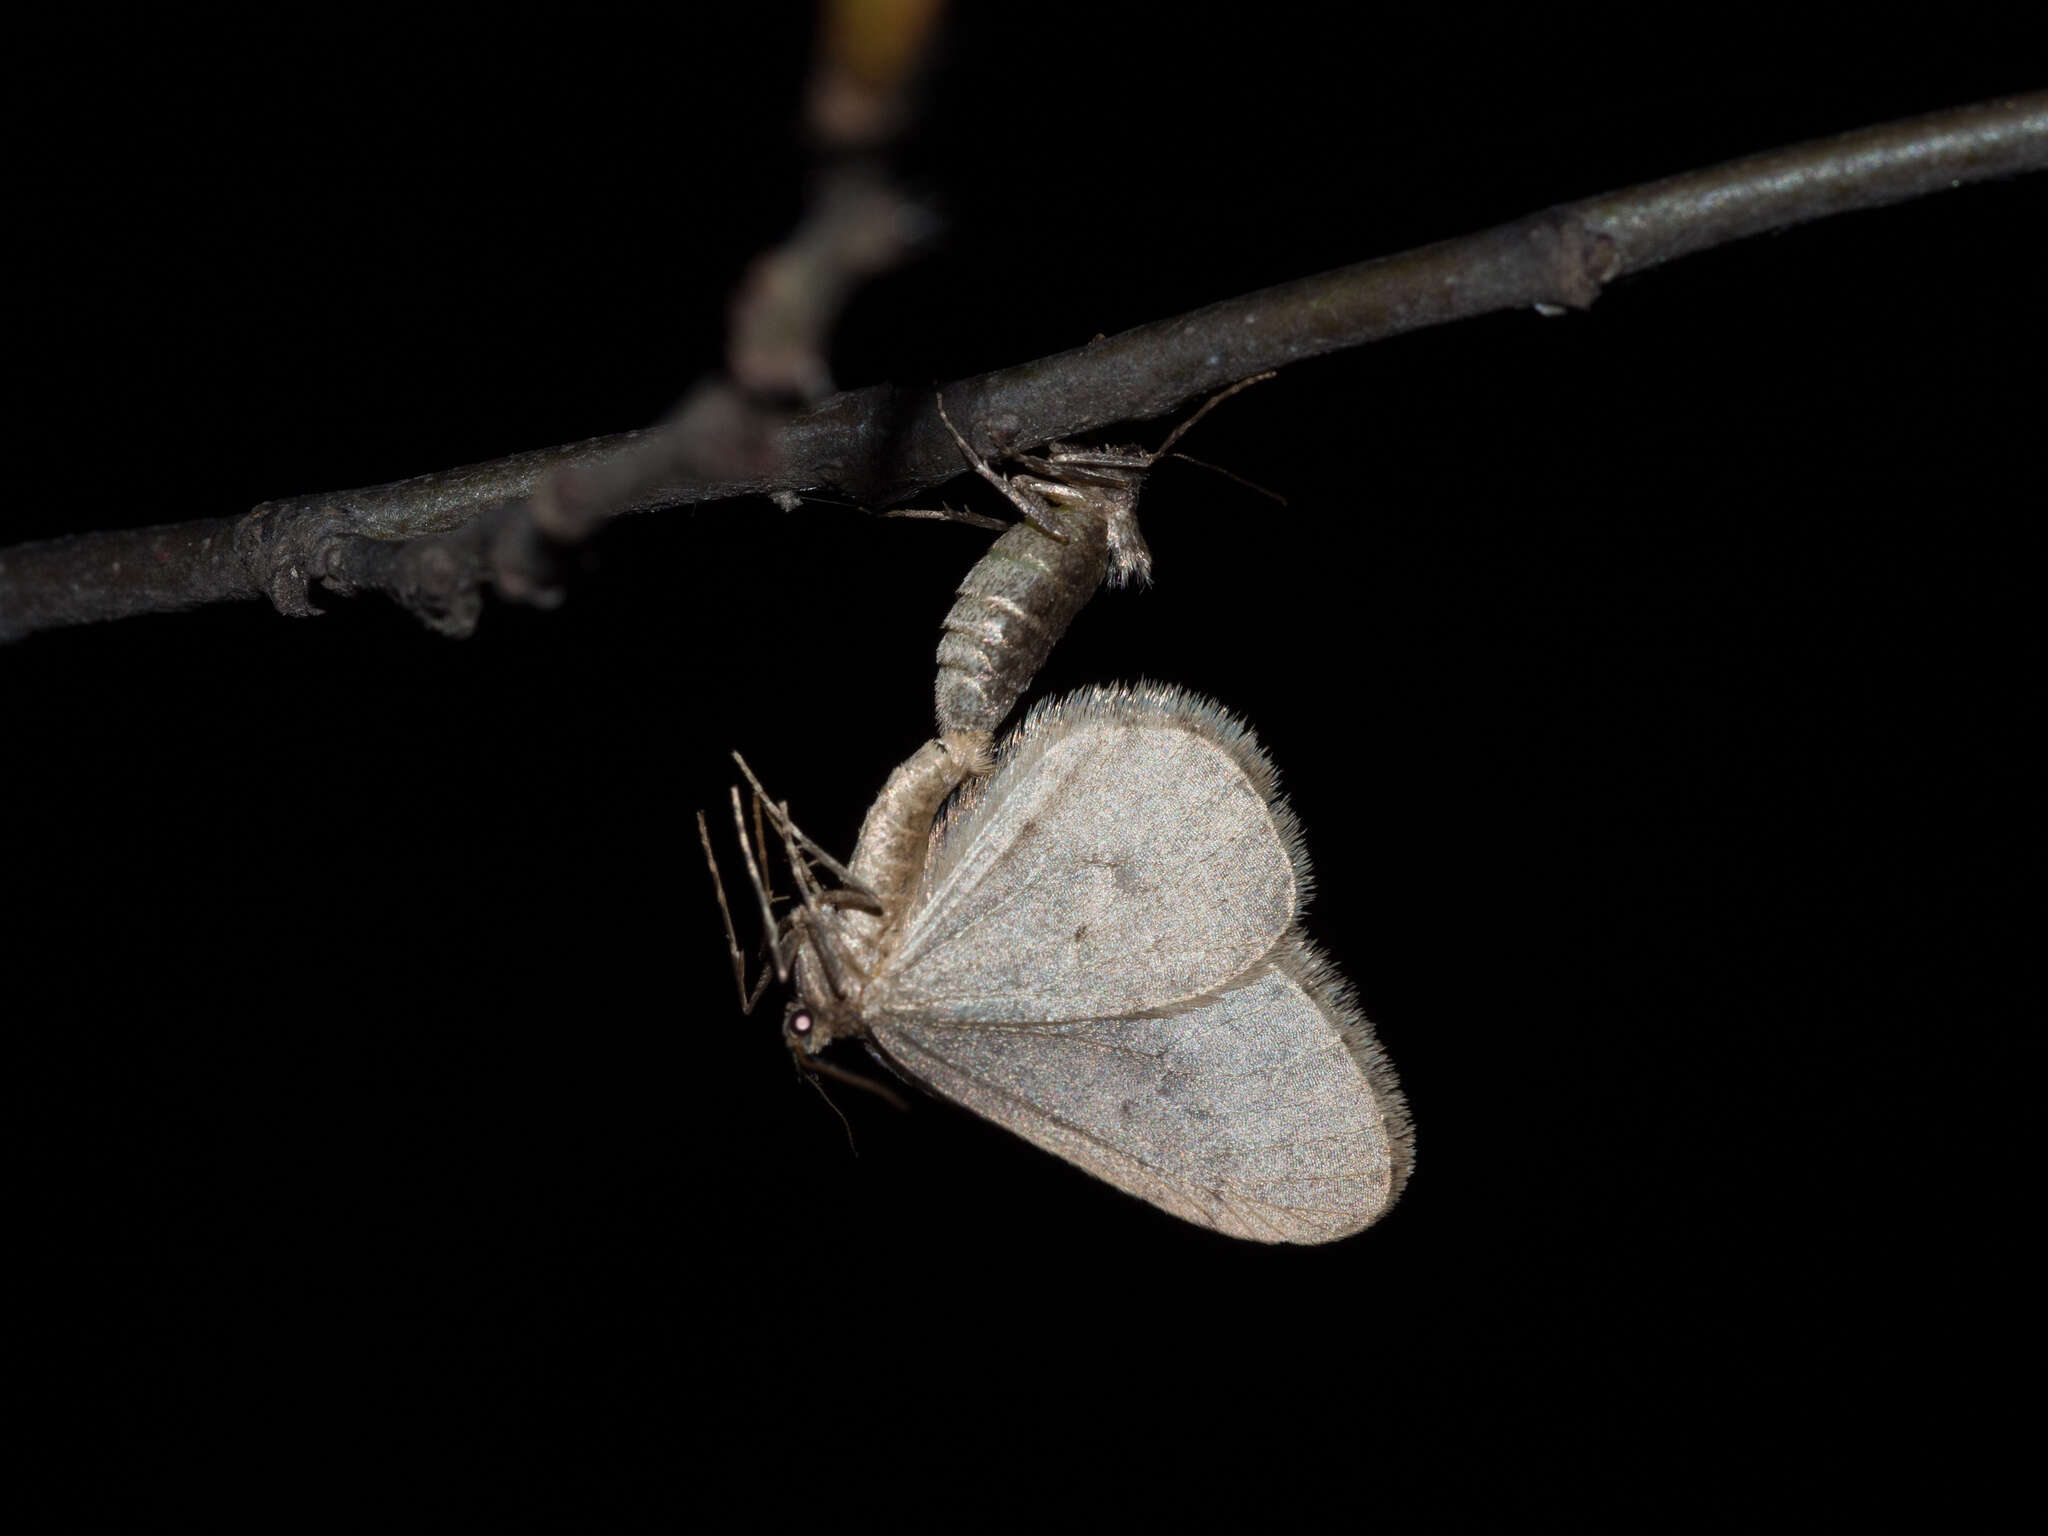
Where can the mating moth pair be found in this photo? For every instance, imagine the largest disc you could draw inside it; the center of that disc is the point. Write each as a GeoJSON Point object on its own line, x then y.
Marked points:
{"type": "Point", "coordinates": [1090, 933]}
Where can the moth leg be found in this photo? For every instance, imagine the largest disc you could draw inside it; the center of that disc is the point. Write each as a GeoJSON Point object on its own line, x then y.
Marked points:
{"type": "Point", "coordinates": [807, 889]}
{"type": "Point", "coordinates": [1111, 468]}
{"type": "Point", "coordinates": [761, 845]}
{"type": "Point", "coordinates": [732, 941]}
{"type": "Point", "coordinates": [783, 824]}
{"type": "Point", "coordinates": [739, 820]}
{"type": "Point", "coordinates": [946, 514]}
{"type": "Point", "coordinates": [817, 931]}
{"type": "Point", "coordinates": [753, 998]}
{"type": "Point", "coordinates": [822, 934]}
{"type": "Point", "coordinates": [1034, 511]}
{"type": "Point", "coordinates": [1111, 501]}
{"type": "Point", "coordinates": [851, 900]}
{"type": "Point", "coordinates": [1207, 406]}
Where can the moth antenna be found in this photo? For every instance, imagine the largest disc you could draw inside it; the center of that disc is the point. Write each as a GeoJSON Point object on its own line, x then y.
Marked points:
{"type": "Point", "coordinates": [845, 1124]}
{"type": "Point", "coordinates": [732, 940]}
{"type": "Point", "coordinates": [1207, 406]}
{"type": "Point", "coordinates": [1218, 469]}
{"type": "Point", "coordinates": [739, 820]}
{"type": "Point", "coordinates": [1035, 513]}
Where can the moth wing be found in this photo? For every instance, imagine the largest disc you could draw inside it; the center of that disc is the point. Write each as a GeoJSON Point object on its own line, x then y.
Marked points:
{"type": "Point", "coordinates": [1130, 853]}
{"type": "Point", "coordinates": [1265, 1111]}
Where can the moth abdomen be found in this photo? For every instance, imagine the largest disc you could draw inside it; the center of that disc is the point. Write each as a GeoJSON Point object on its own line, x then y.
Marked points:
{"type": "Point", "coordinates": [1080, 529]}
{"type": "Point", "coordinates": [1008, 615]}
{"type": "Point", "coordinates": [889, 854]}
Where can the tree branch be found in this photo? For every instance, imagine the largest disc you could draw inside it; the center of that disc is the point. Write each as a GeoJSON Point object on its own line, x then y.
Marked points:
{"type": "Point", "coordinates": [434, 540]}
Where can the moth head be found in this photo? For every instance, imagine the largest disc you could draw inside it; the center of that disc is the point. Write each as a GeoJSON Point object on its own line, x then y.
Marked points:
{"type": "Point", "coordinates": [807, 1030]}
{"type": "Point", "coordinates": [816, 1014]}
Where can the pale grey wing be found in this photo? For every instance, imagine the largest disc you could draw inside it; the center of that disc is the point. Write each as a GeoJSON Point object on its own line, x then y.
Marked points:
{"type": "Point", "coordinates": [1129, 855]}
{"type": "Point", "coordinates": [1266, 1112]}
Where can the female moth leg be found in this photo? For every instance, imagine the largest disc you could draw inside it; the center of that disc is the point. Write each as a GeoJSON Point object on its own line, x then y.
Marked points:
{"type": "Point", "coordinates": [945, 514]}
{"type": "Point", "coordinates": [1034, 511]}
{"type": "Point", "coordinates": [1209, 405]}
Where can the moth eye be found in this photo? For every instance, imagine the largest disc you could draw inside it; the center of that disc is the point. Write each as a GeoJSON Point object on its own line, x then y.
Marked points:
{"type": "Point", "coordinates": [800, 1023]}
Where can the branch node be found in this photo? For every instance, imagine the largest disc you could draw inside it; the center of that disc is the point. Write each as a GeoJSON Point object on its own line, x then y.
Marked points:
{"type": "Point", "coordinates": [285, 547]}
{"type": "Point", "coordinates": [1580, 260]}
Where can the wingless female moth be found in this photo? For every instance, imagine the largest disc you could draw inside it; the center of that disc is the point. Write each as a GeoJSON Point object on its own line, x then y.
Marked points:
{"type": "Point", "coordinates": [1098, 944]}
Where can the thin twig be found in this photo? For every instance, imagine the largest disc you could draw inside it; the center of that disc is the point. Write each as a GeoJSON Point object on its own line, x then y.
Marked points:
{"type": "Point", "coordinates": [880, 444]}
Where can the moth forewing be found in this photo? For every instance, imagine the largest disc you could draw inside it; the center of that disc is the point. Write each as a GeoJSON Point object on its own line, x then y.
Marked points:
{"type": "Point", "coordinates": [1128, 854]}
{"type": "Point", "coordinates": [1103, 957]}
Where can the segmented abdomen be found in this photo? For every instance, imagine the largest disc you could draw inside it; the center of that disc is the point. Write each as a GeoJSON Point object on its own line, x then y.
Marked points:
{"type": "Point", "coordinates": [1012, 609]}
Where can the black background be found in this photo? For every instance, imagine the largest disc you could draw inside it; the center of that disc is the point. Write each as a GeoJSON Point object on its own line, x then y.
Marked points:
{"type": "Point", "coordinates": [1649, 682]}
